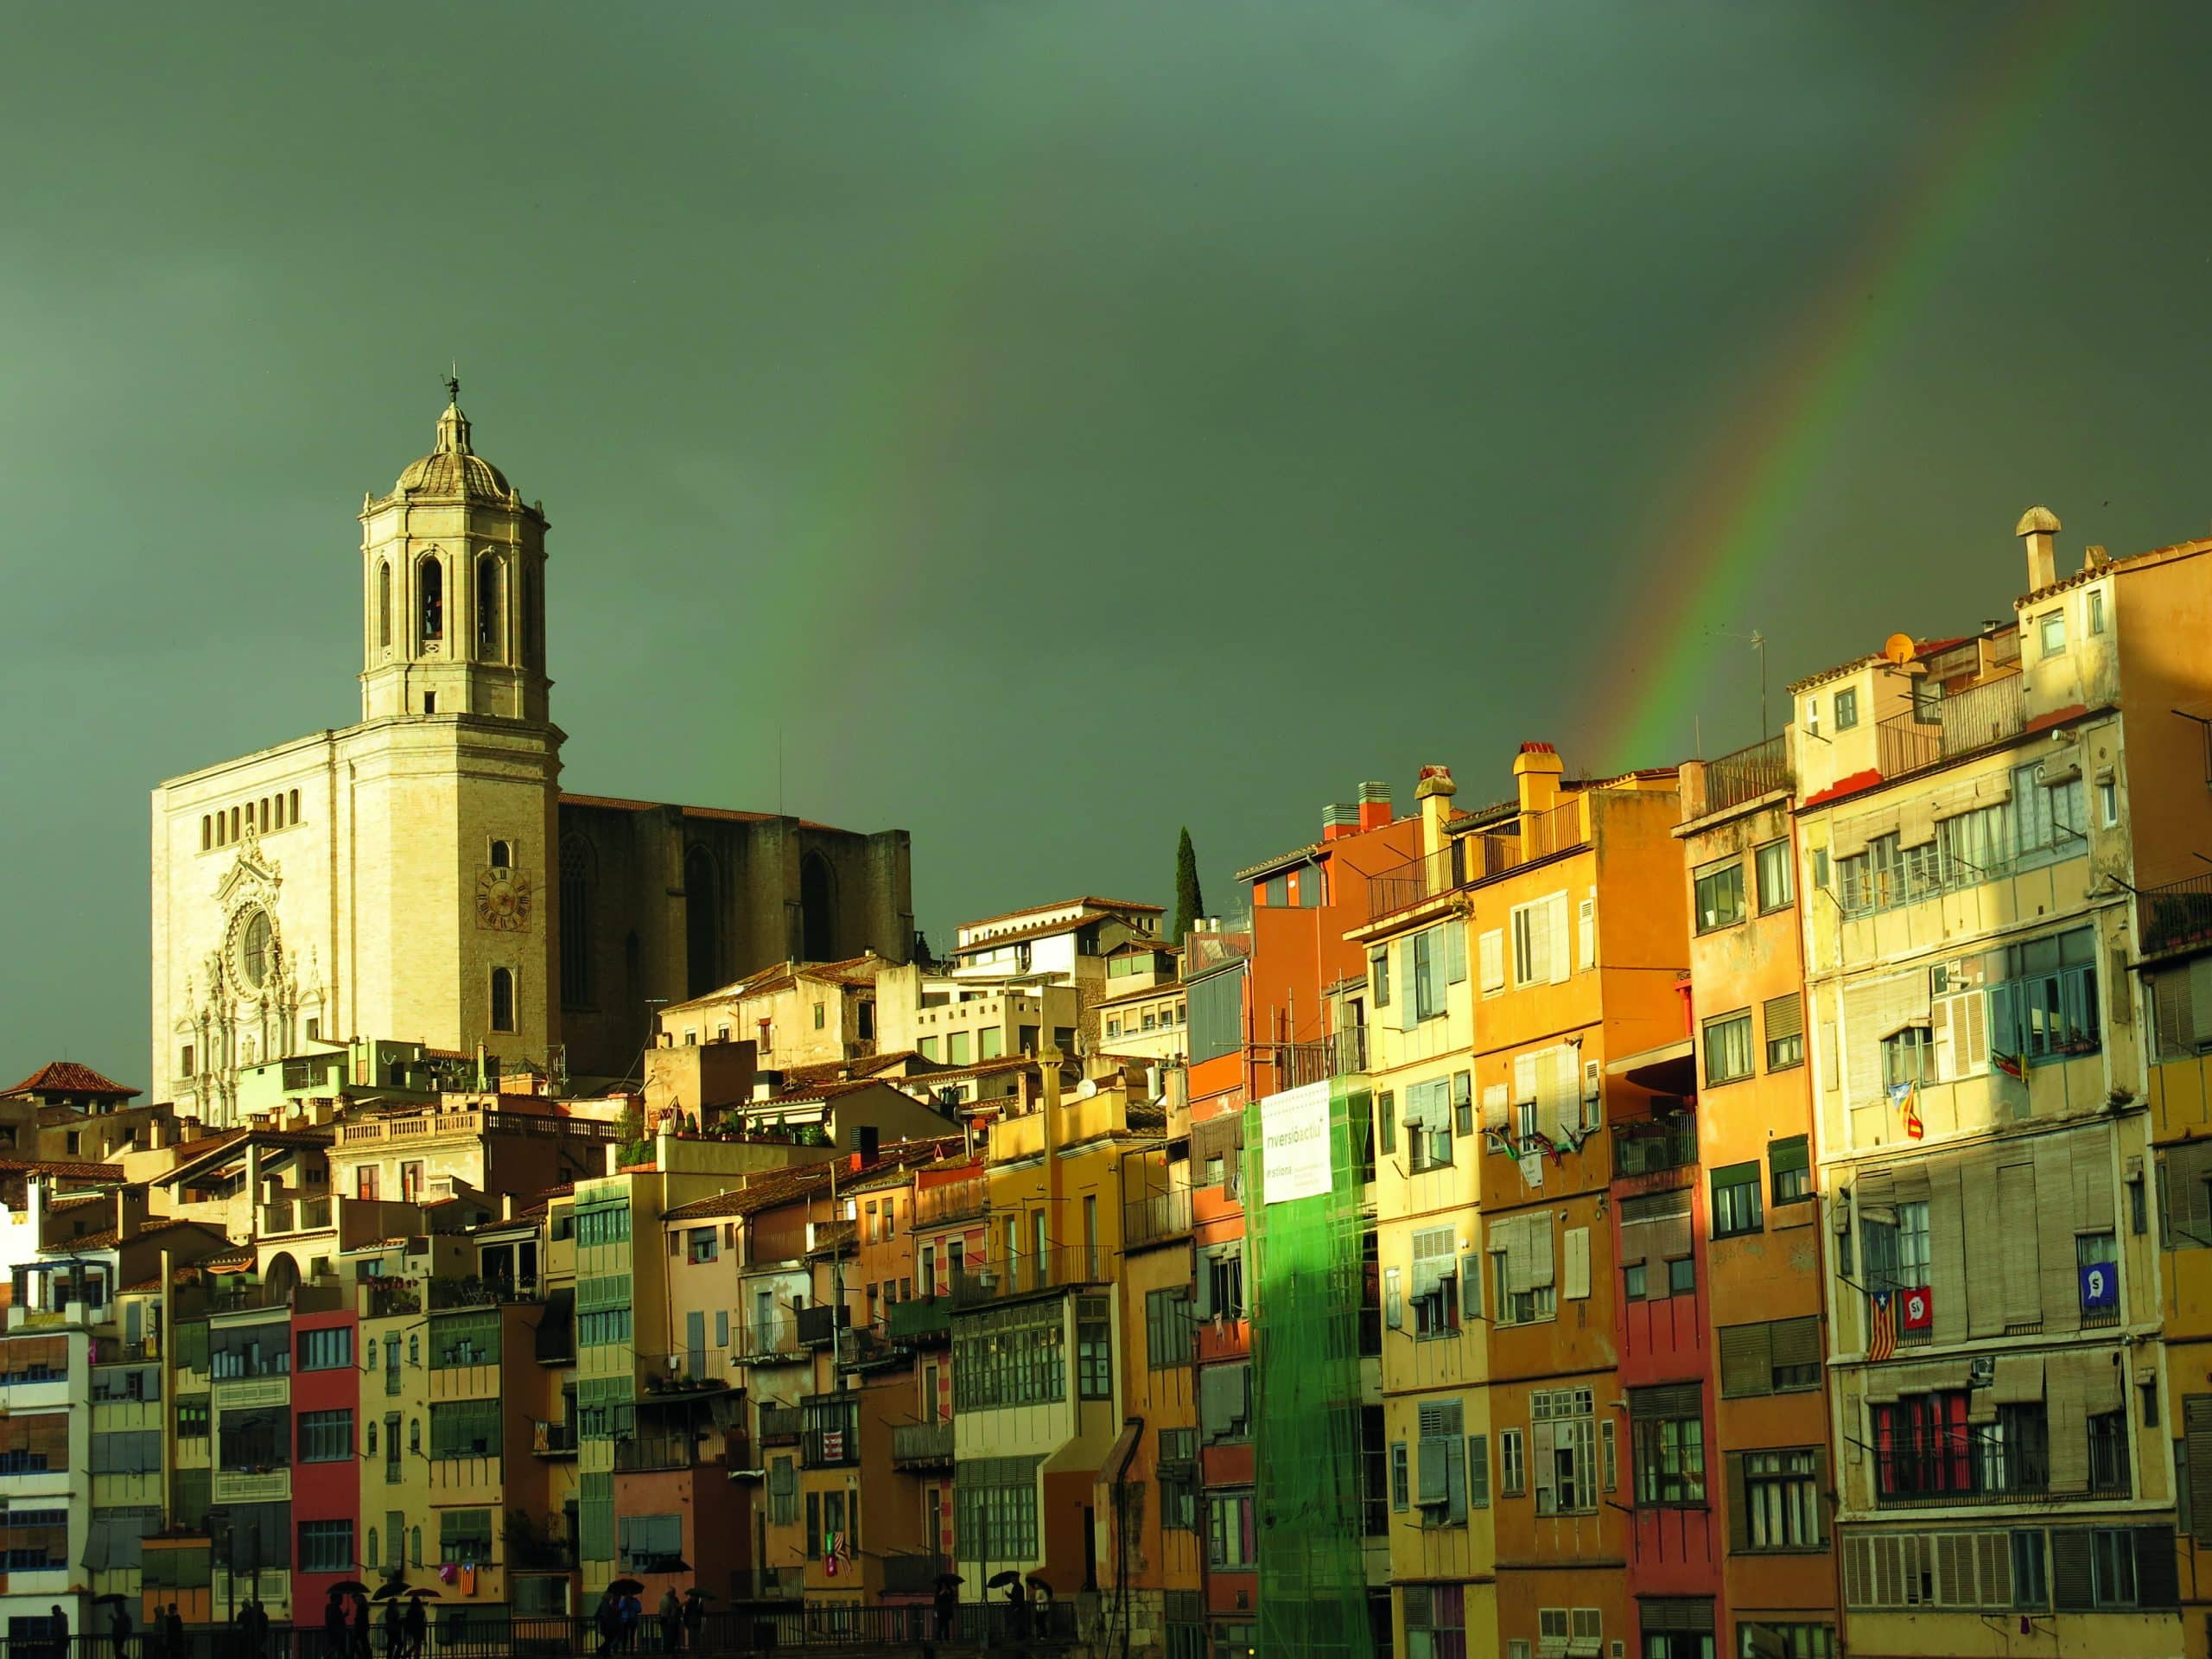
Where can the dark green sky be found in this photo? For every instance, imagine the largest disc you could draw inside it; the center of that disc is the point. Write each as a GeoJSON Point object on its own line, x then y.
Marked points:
{"type": "Point", "coordinates": [1063, 421]}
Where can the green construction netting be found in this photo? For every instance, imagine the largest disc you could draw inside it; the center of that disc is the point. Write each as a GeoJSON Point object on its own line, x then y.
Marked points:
{"type": "Point", "coordinates": [1306, 1279]}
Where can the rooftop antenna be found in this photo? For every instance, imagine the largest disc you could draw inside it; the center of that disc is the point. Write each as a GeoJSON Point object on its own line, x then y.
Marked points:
{"type": "Point", "coordinates": [1758, 642]}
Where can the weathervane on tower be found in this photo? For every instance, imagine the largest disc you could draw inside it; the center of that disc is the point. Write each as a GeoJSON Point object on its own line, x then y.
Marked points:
{"type": "Point", "coordinates": [453, 383]}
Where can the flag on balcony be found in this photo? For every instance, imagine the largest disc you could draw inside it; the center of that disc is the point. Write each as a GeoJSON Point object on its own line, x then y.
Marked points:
{"type": "Point", "coordinates": [1905, 1097]}
{"type": "Point", "coordinates": [1881, 1326]}
{"type": "Point", "coordinates": [2011, 1065]}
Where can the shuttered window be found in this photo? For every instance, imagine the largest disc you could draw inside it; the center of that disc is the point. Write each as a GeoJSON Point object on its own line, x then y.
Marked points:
{"type": "Point", "coordinates": [2185, 1197]}
{"type": "Point", "coordinates": [1769, 1357]}
{"type": "Point", "coordinates": [1478, 1472]}
{"type": "Point", "coordinates": [1216, 1013]}
{"type": "Point", "coordinates": [1789, 1171]}
{"type": "Point", "coordinates": [1440, 1465]}
{"type": "Point", "coordinates": [1783, 1020]}
{"type": "Point", "coordinates": [1491, 952]}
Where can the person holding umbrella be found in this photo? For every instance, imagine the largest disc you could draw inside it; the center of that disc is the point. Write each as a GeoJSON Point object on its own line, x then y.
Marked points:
{"type": "Point", "coordinates": [119, 1630]}
{"type": "Point", "coordinates": [695, 1615]}
{"type": "Point", "coordinates": [607, 1619]}
{"type": "Point", "coordinates": [395, 1637]}
{"type": "Point", "coordinates": [670, 1614]}
{"type": "Point", "coordinates": [173, 1632]}
{"type": "Point", "coordinates": [418, 1627]}
{"type": "Point", "coordinates": [333, 1625]}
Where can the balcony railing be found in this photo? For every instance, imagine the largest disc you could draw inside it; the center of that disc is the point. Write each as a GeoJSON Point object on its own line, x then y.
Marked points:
{"type": "Point", "coordinates": [1913, 1479]}
{"type": "Point", "coordinates": [2178, 917]}
{"type": "Point", "coordinates": [1671, 1144]}
{"type": "Point", "coordinates": [920, 1320]}
{"type": "Point", "coordinates": [1993, 712]}
{"type": "Point", "coordinates": [861, 1346]}
{"type": "Point", "coordinates": [772, 1342]}
{"type": "Point", "coordinates": [948, 1201]}
{"type": "Point", "coordinates": [296, 1215]}
{"type": "Point", "coordinates": [780, 1425]}
{"type": "Point", "coordinates": [1156, 1216]}
{"type": "Point", "coordinates": [388, 1297]}
{"type": "Point", "coordinates": [917, 1446]}
{"type": "Point", "coordinates": [1057, 1268]}
{"type": "Point", "coordinates": [1341, 1054]}
{"type": "Point", "coordinates": [818, 1326]}
{"type": "Point", "coordinates": [473, 1292]}
{"type": "Point", "coordinates": [553, 1439]}
{"type": "Point", "coordinates": [1476, 857]}
{"type": "Point", "coordinates": [1758, 769]}
{"type": "Point", "coordinates": [642, 1452]}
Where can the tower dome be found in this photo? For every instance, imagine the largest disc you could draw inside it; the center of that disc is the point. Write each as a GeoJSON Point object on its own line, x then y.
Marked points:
{"type": "Point", "coordinates": [453, 471]}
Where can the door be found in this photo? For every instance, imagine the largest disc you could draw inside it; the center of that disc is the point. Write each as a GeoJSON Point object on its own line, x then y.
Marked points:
{"type": "Point", "coordinates": [1090, 1234]}
{"type": "Point", "coordinates": [695, 1343]}
{"type": "Point", "coordinates": [411, 1181]}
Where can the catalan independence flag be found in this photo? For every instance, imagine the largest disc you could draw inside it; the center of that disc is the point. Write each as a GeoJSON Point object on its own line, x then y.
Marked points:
{"type": "Point", "coordinates": [2011, 1065]}
{"type": "Point", "coordinates": [1881, 1326]}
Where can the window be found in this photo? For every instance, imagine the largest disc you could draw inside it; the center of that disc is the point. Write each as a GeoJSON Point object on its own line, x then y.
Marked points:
{"type": "Point", "coordinates": [1669, 1447]}
{"type": "Point", "coordinates": [1386, 1122]}
{"type": "Point", "coordinates": [325, 1545]}
{"type": "Point", "coordinates": [192, 1419]}
{"type": "Point", "coordinates": [503, 999]}
{"type": "Point", "coordinates": [502, 855]}
{"type": "Point", "coordinates": [1847, 709]}
{"type": "Point", "coordinates": [1789, 1171]}
{"type": "Point", "coordinates": [2108, 804]}
{"type": "Point", "coordinates": [1431, 969]}
{"type": "Point", "coordinates": [1440, 1465]}
{"type": "Point", "coordinates": [1721, 896]}
{"type": "Point", "coordinates": [1907, 1057]}
{"type": "Point", "coordinates": [1221, 1283]}
{"type": "Point", "coordinates": [2094, 603]}
{"type": "Point", "coordinates": [1781, 1499]}
{"type": "Point", "coordinates": [1094, 1355]}
{"type": "Point", "coordinates": [1564, 1458]}
{"type": "Point", "coordinates": [1785, 1032]}
{"type": "Point", "coordinates": [2112, 1566]}
{"type": "Point", "coordinates": [2051, 630]}
{"type": "Point", "coordinates": [184, 1061]}
{"type": "Point", "coordinates": [1540, 943]}
{"type": "Point", "coordinates": [2108, 1453]}
{"type": "Point", "coordinates": [1378, 977]}
{"type": "Point", "coordinates": [384, 605]}
{"type": "Point", "coordinates": [1230, 1539]}
{"type": "Point", "coordinates": [1728, 1048]}
{"type": "Point", "coordinates": [1896, 1251]}
{"type": "Point", "coordinates": [1179, 1479]}
{"type": "Point", "coordinates": [1777, 886]}
{"type": "Point", "coordinates": [2045, 1007]}
{"type": "Point", "coordinates": [1512, 1473]}
{"type": "Point", "coordinates": [1429, 1125]}
{"type": "Point", "coordinates": [1401, 1478]}
{"type": "Point", "coordinates": [430, 587]}
{"type": "Point", "coordinates": [958, 1047]}
{"type": "Point", "coordinates": [1736, 1200]}
{"type": "Point", "coordinates": [1011, 1356]}
{"type": "Point", "coordinates": [1113, 1027]}
{"type": "Point", "coordinates": [1435, 1287]}
{"type": "Point", "coordinates": [1170, 1331]}
{"type": "Point", "coordinates": [1436, 1620]}
{"type": "Point", "coordinates": [327, 1349]}
{"type": "Point", "coordinates": [702, 1245]}
{"type": "Point", "coordinates": [326, 1436]}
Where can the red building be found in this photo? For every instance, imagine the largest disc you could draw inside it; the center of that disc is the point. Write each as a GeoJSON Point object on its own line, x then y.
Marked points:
{"type": "Point", "coordinates": [328, 1543]}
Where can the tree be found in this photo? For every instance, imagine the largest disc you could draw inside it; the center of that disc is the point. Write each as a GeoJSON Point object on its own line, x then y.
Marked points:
{"type": "Point", "coordinates": [1189, 905]}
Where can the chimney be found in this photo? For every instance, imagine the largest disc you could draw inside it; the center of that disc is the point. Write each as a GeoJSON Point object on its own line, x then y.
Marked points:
{"type": "Point", "coordinates": [2037, 527]}
{"type": "Point", "coordinates": [1536, 772]}
{"type": "Point", "coordinates": [1374, 805]}
{"type": "Point", "coordinates": [1434, 792]}
{"type": "Point", "coordinates": [129, 1212]}
{"type": "Point", "coordinates": [1339, 818]}
{"type": "Point", "coordinates": [2094, 557]}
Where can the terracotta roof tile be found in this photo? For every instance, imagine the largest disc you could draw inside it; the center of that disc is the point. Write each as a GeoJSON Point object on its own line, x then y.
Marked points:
{"type": "Point", "coordinates": [147, 1229]}
{"type": "Point", "coordinates": [1089, 901]}
{"type": "Point", "coordinates": [109, 1173]}
{"type": "Point", "coordinates": [68, 1078]}
{"type": "Point", "coordinates": [766, 1190]}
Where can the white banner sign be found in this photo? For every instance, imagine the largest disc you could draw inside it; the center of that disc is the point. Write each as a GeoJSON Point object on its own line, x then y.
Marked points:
{"type": "Point", "coordinates": [1294, 1143]}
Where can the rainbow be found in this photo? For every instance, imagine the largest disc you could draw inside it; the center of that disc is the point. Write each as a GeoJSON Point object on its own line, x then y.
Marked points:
{"type": "Point", "coordinates": [1757, 466]}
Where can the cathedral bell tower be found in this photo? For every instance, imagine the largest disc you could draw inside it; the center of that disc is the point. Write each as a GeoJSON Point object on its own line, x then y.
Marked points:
{"type": "Point", "coordinates": [452, 572]}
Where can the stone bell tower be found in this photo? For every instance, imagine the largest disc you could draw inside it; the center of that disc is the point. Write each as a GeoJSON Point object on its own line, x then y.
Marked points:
{"type": "Point", "coordinates": [452, 570]}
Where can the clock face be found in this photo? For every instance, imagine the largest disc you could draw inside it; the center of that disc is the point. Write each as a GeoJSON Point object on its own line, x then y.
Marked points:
{"type": "Point", "coordinates": [503, 901]}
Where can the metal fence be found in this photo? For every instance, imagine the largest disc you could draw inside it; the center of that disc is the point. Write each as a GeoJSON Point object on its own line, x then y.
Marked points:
{"type": "Point", "coordinates": [1755, 770]}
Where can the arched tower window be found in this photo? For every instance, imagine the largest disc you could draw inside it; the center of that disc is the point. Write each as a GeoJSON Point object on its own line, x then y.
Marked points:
{"type": "Point", "coordinates": [503, 999]}
{"type": "Point", "coordinates": [431, 583]}
{"type": "Point", "coordinates": [702, 922]}
{"type": "Point", "coordinates": [817, 908]}
{"type": "Point", "coordinates": [384, 605]}
{"type": "Point", "coordinates": [579, 871]}
{"type": "Point", "coordinates": [490, 628]}
{"type": "Point", "coordinates": [503, 856]}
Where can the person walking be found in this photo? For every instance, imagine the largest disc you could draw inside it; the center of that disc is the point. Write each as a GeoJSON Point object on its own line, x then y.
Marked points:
{"type": "Point", "coordinates": [669, 1614]}
{"type": "Point", "coordinates": [334, 1626]}
{"type": "Point", "coordinates": [418, 1627]}
{"type": "Point", "coordinates": [119, 1631]}
{"type": "Point", "coordinates": [57, 1631]}
{"type": "Point", "coordinates": [360, 1627]}
{"type": "Point", "coordinates": [173, 1632]}
{"type": "Point", "coordinates": [695, 1616]}
{"type": "Point", "coordinates": [607, 1619]}
{"type": "Point", "coordinates": [395, 1636]}
{"type": "Point", "coordinates": [633, 1611]}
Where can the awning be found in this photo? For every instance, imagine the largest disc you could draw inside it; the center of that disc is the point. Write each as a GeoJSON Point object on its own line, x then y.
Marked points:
{"type": "Point", "coordinates": [1669, 1069]}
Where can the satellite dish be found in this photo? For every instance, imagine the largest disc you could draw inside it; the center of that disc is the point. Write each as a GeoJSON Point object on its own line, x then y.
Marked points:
{"type": "Point", "coordinates": [1085, 1089]}
{"type": "Point", "coordinates": [1898, 648]}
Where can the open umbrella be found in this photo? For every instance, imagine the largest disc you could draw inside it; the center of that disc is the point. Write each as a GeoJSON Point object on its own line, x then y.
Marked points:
{"type": "Point", "coordinates": [702, 1595]}
{"type": "Point", "coordinates": [350, 1587]}
{"type": "Point", "coordinates": [423, 1595]}
{"type": "Point", "coordinates": [951, 1577]}
{"type": "Point", "coordinates": [390, 1589]}
{"type": "Point", "coordinates": [112, 1597]}
{"type": "Point", "coordinates": [1001, 1580]}
{"type": "Point", "coordinates": [625, 1588]}
{"type": "Point", "coordinates": [1039, 1584]}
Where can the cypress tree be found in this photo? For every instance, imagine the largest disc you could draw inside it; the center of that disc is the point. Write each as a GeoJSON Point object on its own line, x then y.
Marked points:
{"type": "Point", "coordinates": [1189, 906]}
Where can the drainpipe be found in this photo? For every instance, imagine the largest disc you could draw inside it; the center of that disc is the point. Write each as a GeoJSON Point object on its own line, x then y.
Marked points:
{"type": "Point", "coordinates": [1122, 1532]}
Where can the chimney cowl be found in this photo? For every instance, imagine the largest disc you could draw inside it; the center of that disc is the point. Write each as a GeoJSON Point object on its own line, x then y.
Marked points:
{"type": "Point", "coordinates": [1374, 789]}
{"type": "Point", "coordinates": [2037, 527]}
{"type": "Point", "coordinates": [1435, 780]}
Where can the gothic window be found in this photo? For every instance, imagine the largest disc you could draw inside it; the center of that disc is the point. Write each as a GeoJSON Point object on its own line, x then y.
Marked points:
{"type": "Point", "coordinates": [491, 633]}
{"type": "Point", "coordinates": [502, 855]}
{"type": "Point", "coordinates": [384, 604]}
{"type": "Point", "coordinates": [430, 584]}
{"type": "Point", "coordinates": [702, 922]}
{"type": "Point", "coordinates": [576, 922]}
{"type": "Point", "coordinates": [503, 999]}
{"type": "Point", "coordinates": [817, 905]}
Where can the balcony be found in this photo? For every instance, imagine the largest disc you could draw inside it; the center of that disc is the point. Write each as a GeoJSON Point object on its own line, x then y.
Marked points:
{"type": "Point", "coordinates": [1993, 712]}
{"type": "Point", "coordinates": [781, 1425]}
{"type": "Point", "coordinates": [1656, 1146]}
{"type": "Point", "coordinates": [921, 1446]}
{"type": "Point", "coordinates": [961, 1199]}
{"type": "Point", "coordinates": [2176, 918]}
{"type": "Point", "coordinates": [473, 1292]}
{"type": "Point", "coordinates": [774, 1342]}
{"type": "Point", "coordinates": [863, 1347]}
{"type": "Point", "coordinates": [706, 1372]}
{"type": "Point", "coordinates": [1057, 1268]}
{"type": "Point", "coordinates": [388, 1297]}
{"type": "Point", "coordinates": [295, 1216]}
{"type": "Point", "coordinates": [1341, 1054]}
{"type": "Point", "coordinates": [920, 1322]}
{"type": "Point", "coordinates": [643, 1453]}
{"type": "Point", "coordinates": [1472, 858]}
{"type": "Point", "coordinates": [435, 1125]}
{"type": "Point", "coordinates": [553, 1439]}
{"type": "Point", "coordinates": [1759, 769]}
{"type": "Point", "coordinates": [1156, 1218]}
{"type": "Point", "coordinates": [818, 1326]}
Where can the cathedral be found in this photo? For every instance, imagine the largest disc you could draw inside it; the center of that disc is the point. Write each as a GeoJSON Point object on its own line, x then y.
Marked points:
{"type": "Point", "coordinates": [422, 877]}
